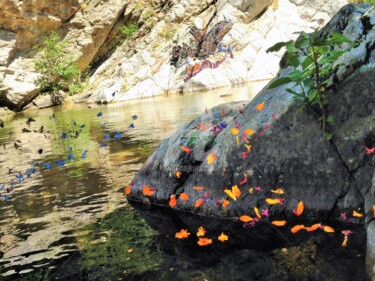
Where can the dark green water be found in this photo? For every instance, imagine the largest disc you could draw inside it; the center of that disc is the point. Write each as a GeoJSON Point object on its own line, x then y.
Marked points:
{"type": "Point", "coordinates": [74, 223]}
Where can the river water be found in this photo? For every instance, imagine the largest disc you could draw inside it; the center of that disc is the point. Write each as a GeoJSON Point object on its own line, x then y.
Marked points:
{"type": "Point", "coordinates": [67, 219]}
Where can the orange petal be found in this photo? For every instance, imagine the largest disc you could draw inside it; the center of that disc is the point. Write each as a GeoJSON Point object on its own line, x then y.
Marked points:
{"type": "Point", "coordinates": [277, 191]}
{"type": "Point", "coordinates": [345, 242]}
{"type": "Point", "coordinates": [245, 219]}
{"type": "Point", "coordinates": [222, 112]}
{"type": "Point", "coordinates": [234, 131]}
{"type": "Point", "coordinates": [172, 201]}
{"type": "Point", "coordinates": [184, 196]}
{"type": "Point", "coordinates": [178, 174]}
{"type": "Point", "coordinates": [357, 215]}
{"type": "Point", "coordinates": [260, 106]}
{"type": "Point", "coordinates": [225, 203]}
{"type": "Point", "coordinates": [251, 190]}
{"type": "Point", "coordinates": [147, 191]}
{"type": "Point", "coordinates": [272, 201]}
{"type": "Point", "coordinates": [128, 190]}
{"type": "Point", "coordinates": [230, 194]}
{"type": "Point", "coordinates": [211, 158]}
{"type": "Point", "coordinates": [222, 237]}
{"type": "Point", "coordinates": [204, 241]}
{"type": "Point", "coordinates": [297, 228]}
{"type": "Point", "coordinates": [313, 227]}
{"type": "Point", "coordinates": [279, 223]}
{"type": "Point", "coordinates": [198, 203]}
{"type": "Point", "coordinates": [198, 188]}
{"type": "Point", "coordinates": [256, 210]}
{"type": "Point", "coordinates": [300, 208]}
{"type": "Point", "coordinates": [248, 147]}
{"type": "Point", "coordinates": [249, 132]}
{"type": "Point", "coordinates": [236, 191]}
{"type": "Point", "coordinates": [328, 229]}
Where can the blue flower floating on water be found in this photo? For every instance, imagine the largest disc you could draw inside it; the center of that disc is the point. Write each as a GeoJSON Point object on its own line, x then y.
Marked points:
{"type": "Point", "coordinates": [131, 126]}
{"type": "Point", "coordinates": [82, 126]}
{"type": "Point", "coordinates": [107, 137]}
{"type": "Point", "coordinates": [70, 149]}
{"type": "Point", "coordinates": [48, 165]}
{"type": "Point", "coordinates": [70, 157]}
{"type": "Point", "coordinates": [2, 187]}
{"type": "Point", "coordinates": [134, 117]}
{"type": "Point", "coordinates": [63, 136]}
{"type": "Point", "coordinates": [84, 154]}
{"type": "Point", "coordinates": [103, 144]}
{"type": "Point", "coordinates": [60, 163]}
{"type": "Point", "coordinates": [117, 135]}
{"type": "Point", "coordinates": [20, 177]}
{"type": "Point", "coordinates": [100, 114]}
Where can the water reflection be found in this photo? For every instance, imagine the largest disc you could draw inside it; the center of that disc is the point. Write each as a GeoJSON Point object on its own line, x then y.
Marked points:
{"type": "Point", "coordinates": [37, 220]}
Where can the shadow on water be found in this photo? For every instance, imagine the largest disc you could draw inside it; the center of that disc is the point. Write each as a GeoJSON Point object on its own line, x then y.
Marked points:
{"type": "Point", "coordinates": [140, 245]}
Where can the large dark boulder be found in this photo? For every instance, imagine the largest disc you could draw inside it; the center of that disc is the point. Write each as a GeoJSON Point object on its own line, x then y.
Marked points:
{"type": "Point", "coordinates": [288, 149]}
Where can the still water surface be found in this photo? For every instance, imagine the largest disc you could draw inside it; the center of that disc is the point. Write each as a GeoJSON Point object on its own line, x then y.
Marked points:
{"type": "Point", "coordinates": [72, 222]}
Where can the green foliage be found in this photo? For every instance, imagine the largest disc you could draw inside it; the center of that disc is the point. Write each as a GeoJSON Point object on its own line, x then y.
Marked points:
{"type": "Point", "coordinates": [313, 62]}
{"type": "Point", "coordinates": [56, 68]}
{"type": "Point", "coordinates": [129, 30]}
{"type": "Point", "coordinates": [362, 1]}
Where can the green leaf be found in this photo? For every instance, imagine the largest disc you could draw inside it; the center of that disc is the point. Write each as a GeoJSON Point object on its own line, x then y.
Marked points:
{"type": "Point", "coordinates": [330, 120]}
{"type": "Point", "coordinates": [292, 60]}
{"type": "Point", "coordinates": [338, 38]}
{"type": "Point", "coordinates": [328, 136]}
{"type": "Point", "coordinates": [294, 93]}
{"type": "Point", "coordinates": [306, 63]}
{"type": "Point", "coordinates": [312, 95]}
{"type": "Point", "coordinates": [291, 48]}
{"type": "Point", "coordinates": [277, 47]}
{"type": "Point", "coordinates": [278, 82]}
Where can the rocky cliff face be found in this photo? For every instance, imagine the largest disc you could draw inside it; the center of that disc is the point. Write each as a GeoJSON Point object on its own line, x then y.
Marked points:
{"type": "Point", "coordinates": [287, 150]}
{"type": "Point", "coordinates": [139, 66]}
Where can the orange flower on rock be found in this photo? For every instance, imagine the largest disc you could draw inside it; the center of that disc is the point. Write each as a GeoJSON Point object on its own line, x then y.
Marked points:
{"type": "Point", "coordinates": [148, 191]}
{"type": "Point", "coordinates": [184, 196]}
{"type": "Point", "coordinates": [260, 106]}
{"type": "Point", "coordinates": [204, 241]}
{"type": "Point", "coordinates": [172, 201]}
{"type": "Point", "coordinates": [183, 234]}
{"type": "Point", "coordinates": [198, 203]}
{"type": "Point", "coordinates": [225, 203]}
{"type": "Point", "coordinates": [234, 131]}
{"type": "Point", "coordinates": [201, 231]}
{"type": "Point", "coordinates": [222, 237]}
{"type": "Point", "coordinates": [128, 190]}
